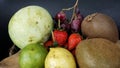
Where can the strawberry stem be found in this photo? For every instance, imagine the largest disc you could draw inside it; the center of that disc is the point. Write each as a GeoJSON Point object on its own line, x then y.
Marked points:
{"type": "Point", "coordinates": [53, 36]}
{"type": "Point", "coordinates": [59, 24]}
{"type": "Point", "coordinates": [55, 44]}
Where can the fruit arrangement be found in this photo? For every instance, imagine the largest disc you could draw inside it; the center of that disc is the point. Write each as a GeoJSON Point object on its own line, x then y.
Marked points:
{"type": "Point", "coordinates": [57, 41]}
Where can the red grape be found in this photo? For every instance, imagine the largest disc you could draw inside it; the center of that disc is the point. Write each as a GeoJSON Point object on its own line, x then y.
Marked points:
{"type": "Point", "coordinates": [77, 11]}
{"type": "Point", "coordinates": [65, 26]}
{"type": "Point", "coordinates": [75, 25]}
{"type": "Point", "coordinates": [60, 16]}
{"type": "Point", "coordinates": [80, 17]}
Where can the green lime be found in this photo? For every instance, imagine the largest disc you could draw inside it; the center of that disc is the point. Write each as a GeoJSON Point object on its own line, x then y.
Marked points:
{"type": "Point", "coordinates": [33, 56]}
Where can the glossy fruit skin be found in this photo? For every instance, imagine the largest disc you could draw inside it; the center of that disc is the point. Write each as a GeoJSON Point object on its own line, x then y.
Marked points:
{"type": "Point", "coordinates": [48, 44]}
{"type": "Point", "coordinates": [75, 25]}
{"type": "Point", "coordinates": [73, 40]}
{"type": "Point", "coordinates": [60, 16]}
{"type": "Point", "coordinates": [59, 58]}
{"type": "Point", "coordinates": [60, 37]}
{"type": "Point", "coordinates": [66, 26]}
{"type": "Point", "coordinates": [33, 56]}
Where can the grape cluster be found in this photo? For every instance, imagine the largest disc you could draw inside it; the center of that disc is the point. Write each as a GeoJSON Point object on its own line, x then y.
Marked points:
{"type": "Point", "coordinates": [70, 25]}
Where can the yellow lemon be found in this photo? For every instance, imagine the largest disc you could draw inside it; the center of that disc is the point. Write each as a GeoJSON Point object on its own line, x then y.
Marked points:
{"type": "Point", "coordinates": [59, 58]}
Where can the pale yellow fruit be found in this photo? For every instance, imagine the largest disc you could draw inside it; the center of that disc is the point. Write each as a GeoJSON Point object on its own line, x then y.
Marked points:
{"type": "Point", "coordinates": [59, 58]}
{"type": "Point", "coordinates": [30, 24]}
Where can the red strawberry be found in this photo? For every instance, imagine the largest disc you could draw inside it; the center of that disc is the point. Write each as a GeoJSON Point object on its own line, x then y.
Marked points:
{"type": "Point", "coordinates": [60, 37]}
{"type": "Point", "coordinates": [73, 40]}
{"type": "Point", "coordinates": [48, 43]}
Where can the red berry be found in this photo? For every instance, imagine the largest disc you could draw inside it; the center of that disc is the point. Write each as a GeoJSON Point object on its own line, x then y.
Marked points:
{"type": "Point", "coordinates": [48, 43]}
{"type": "Point", "coordinates": [60, 37]}
{"type": "Point", "coordinates": [73, 40]}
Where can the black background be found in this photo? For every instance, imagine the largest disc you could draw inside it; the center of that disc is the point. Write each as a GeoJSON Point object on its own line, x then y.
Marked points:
{"type": "Point", "coordinates": [9, 7]}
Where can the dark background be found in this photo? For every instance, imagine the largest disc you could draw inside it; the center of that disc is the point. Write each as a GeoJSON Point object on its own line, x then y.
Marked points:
{"type": "Point", "coordinates": [9, 7]}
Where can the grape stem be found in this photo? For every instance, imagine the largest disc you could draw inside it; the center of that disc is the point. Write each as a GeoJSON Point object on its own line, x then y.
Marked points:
{"type": "Point", "coordinates": [73, 7]}
{"type": "Point", "coordinates": [11, 50]}
{"type": "Point", "coordinates": [67, 9]}
{"type": "Point", "coordinates": [73, 15]}
{"type": "Point", "coordinates": [59, 24]}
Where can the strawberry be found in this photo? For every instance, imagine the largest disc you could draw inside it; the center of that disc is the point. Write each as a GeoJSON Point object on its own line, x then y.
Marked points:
{"type": "Point", "coordinates": [73, 40]}
{"type": "Point", "coordinates": [48, 43]}
{"type": "Point", "coordinates": [60, 37]}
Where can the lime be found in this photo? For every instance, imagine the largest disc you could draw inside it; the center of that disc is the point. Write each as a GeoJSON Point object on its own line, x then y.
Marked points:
{"type": "Point", "coordinates": [33, 56]}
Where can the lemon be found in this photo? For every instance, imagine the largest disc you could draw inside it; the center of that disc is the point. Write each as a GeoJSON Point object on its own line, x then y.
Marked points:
{"type": "Point", "coordinates": [30, 24]}
{"type": "Point", "coordinates": [33, 56]}
{"type": "Point", "coordinates": [59, 58]}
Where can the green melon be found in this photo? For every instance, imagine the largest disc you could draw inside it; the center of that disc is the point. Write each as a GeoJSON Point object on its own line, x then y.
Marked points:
{"type": "Point", "coordinates": [30, 24]}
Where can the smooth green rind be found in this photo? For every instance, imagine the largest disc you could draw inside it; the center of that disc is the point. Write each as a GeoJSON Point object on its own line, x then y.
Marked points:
{"type": "Point", "coordinates": [33, 56]}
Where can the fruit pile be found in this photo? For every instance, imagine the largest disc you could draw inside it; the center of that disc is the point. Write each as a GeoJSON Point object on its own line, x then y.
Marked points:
{"type": "Point", "coordinates": [60, 42]}
{"type": "Point", "coordinates": [66, 32]}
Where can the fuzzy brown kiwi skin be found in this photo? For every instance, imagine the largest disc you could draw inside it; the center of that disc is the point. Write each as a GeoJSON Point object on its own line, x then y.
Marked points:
{"type": "Point", "coordinates": [118, 43]}
{"type": "Point", "coordinates": [99, 25]}
{"type": "Point", "coordinates": [97, 53]}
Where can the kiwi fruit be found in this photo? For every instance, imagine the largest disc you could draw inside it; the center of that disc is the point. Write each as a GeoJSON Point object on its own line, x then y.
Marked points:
{"type": "Point", "coordinates": [97, 53]}
{"type": "Point", "coordinates": [99, 25]}
{"type": "Point", "coordinates": [118, 43]}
